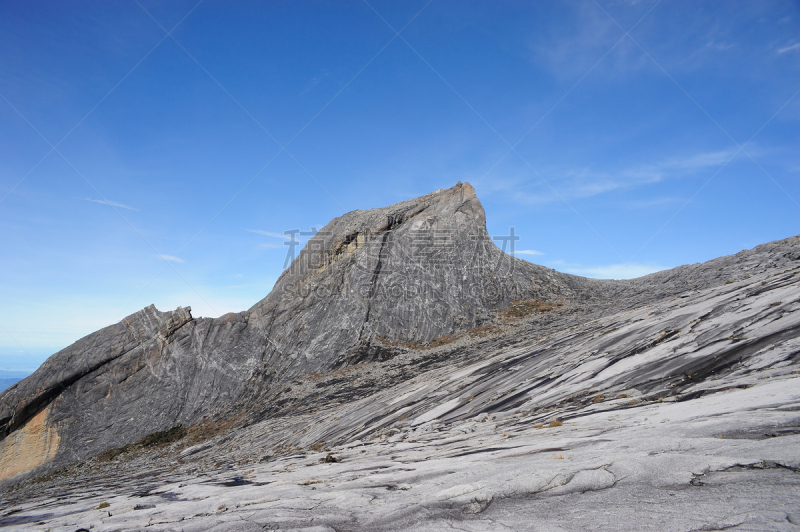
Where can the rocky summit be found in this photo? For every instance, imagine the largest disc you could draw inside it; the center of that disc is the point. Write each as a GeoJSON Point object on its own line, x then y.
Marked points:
{"type": "Point", "coordinates": [406, 373]}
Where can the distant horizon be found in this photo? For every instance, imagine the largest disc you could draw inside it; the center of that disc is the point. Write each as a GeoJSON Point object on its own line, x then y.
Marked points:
{"type": "Point", "coordinates": [156, 153]}
{"type": "Point", "coordinates": [6, 372]}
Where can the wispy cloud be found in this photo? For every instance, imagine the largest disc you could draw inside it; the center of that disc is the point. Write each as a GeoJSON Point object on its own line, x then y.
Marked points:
{"type": "Point", "coordinates": [324, 73]}
{"type": "Point", "coordinates": [268, 233]}
{"type": "Point", "coordinates": [719, 46]}
{"type": "Point", "coordinates": [789, 48]}
{"type": "Point", "coordinates": [701, 160]}
{"type": "Point", "coordinates": [648, 203]}
{"type": "Point", "coordinates": [527, 252]}
{"type": "Point", "coordinates": [171, 258]}
{"type": "Point", "coordinates": [572, 47]}
{"type": "Point", "coordinates": [111, 204]}
{"type": "Point", "coordinates": [270, 245]}
{"type": "Point", "coordinates": [703, 54]}
{"type": "Point", "coordinates": [616, 271]}
{"type": "Point", "coordinates": [579, 183]}
{"type": "Point", "coordinates": [593, 182]}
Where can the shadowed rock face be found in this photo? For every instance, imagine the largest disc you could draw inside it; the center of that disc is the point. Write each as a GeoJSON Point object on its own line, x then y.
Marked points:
{"type": "Point", "coordinates": [410, 272]}
{"type": "Point", "coordinates": [678, 392]}
{"type": "Point", "coordinates": [368, 282]}
{"type": "Point", "coordinates": [359, 396]}
{"type": "Point", "coordinates": [377, 287]}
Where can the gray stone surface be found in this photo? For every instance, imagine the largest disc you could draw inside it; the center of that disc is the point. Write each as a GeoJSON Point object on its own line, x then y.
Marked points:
{"type": "Point", "coordinates": [411, 272]}
{"type": "Point", "coordinates": [676, 398]}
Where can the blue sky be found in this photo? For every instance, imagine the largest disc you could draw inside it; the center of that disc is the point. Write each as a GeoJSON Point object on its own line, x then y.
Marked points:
{"type": "Point", "coordinates": [139, 166]}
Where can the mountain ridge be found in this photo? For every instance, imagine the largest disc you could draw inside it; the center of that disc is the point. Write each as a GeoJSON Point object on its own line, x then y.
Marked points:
{"type": "Point", "coordinates": [157, 369]}
{"type": "Point", "coordinates": [332, 310]}
{"type": "Point", "coordinates": [528, 397]}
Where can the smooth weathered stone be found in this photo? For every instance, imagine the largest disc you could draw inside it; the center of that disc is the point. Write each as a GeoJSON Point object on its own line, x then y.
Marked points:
{"type": "Point", "coordinates": [549, 403]}
{"type": "Point", "coordinates": [369, 280]}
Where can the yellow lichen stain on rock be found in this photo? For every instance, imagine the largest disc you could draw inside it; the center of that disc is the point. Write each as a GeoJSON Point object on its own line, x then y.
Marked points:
{"type": "Point", "coordinates": [31, 446]}
{"type": "Point", "coordinates": [339, 251]}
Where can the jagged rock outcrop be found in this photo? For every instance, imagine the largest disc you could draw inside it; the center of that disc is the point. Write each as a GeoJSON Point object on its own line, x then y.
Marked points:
{"type": "Point", "coordinates": [369, 286]}
{"type": "Point", "coordinates": [368, 282]}
{"type": "Point", "coordinates": [410, 272]}
{"type": "Point", "coordinates": [659, 409]}
{"type": "Point", "coordinates": [390, 384]}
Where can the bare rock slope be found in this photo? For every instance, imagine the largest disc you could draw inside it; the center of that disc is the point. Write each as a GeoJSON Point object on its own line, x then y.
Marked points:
{"type": "Point", "coordinates": [368, 282]}
{"type": "Point", "coordinates": [540, 401]}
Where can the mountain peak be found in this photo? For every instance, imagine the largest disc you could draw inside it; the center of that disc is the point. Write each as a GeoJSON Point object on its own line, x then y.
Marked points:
{"type": "Point", "coordinates": [366, 284]}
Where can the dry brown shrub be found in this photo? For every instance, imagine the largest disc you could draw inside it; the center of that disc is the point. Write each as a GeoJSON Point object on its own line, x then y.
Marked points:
{"type": "Point", "coordinates": [522, 308]}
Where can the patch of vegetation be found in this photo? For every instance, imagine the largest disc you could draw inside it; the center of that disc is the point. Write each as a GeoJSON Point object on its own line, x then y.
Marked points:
{"type": "Point", "coordinates": [554, 423]}
{"type": "Point", "coordinates": [317, 447]}
{"type": "Point", "coordinates": [483, 331]}
{"type": "Point", "coordinates": [623, 396]}
{"type": "Point", "coordinates": [517, 310]}
{"type": "Point", "coordinates": [662, 338]}
{"type": "Point", "coordinates": [419, 344]}
{"type": "Point", "coordinates": [521, 308]}
{"type": "Point", "coordinates": [155, 439]}
{"type": "Point", "coordinates": [315, 376]}
{"type": "Point", "coordinates": [442, 340]}
{"type": "Point", "coordinates": [163, 437]}
{"type": "Point", "coordinates": [110, 454]}
{"type": "Point", "coordinates": [103, 505]}
{"type": "Point", "coordinates": [207, 429]}
{"type": "Point", "coordinates": [666, 335]}
{"type": "Point", "coordinates": [49, 477]}
{"type": "Point", "coordinates": [287, 449]}
{"type": "Point", "coordinates": [598, 398]}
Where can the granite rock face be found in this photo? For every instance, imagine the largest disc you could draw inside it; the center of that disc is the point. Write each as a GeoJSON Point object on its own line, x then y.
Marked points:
{"type": "Point", "coordinates": [406, 374]}
{"type": "Point", "coordinates": [367, 285]}
{"type": "Point", "coordinates": [658, 409]}
{"type": "Point", "coordinates": [411, 272]}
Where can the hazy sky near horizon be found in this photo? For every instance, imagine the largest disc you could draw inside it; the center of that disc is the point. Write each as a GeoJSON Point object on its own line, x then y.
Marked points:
{"type": "Point", "coordinates": [155, 152]}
